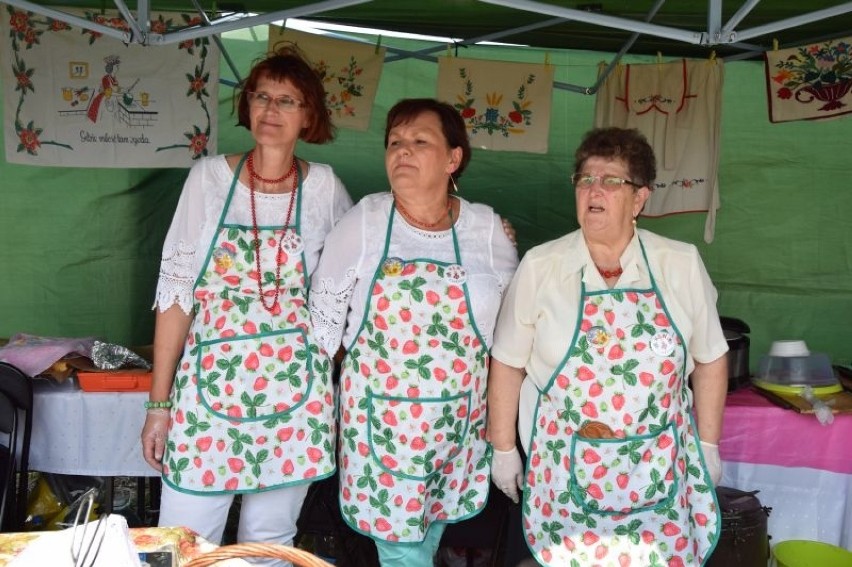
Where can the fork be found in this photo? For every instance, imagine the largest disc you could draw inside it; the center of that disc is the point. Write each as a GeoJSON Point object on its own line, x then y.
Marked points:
{"type": "Point", "coordinates": [85, 552]}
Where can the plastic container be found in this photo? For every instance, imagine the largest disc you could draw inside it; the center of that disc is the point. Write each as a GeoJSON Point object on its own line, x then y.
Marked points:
{"type": "Point", "coordinates": [789, 348]}
{"type": "Point", "coordinates": [812, 370]}
{"type": "Point", "coordinates": [129, 380]}
{"type": "Point", "coordinates": [803, 553]}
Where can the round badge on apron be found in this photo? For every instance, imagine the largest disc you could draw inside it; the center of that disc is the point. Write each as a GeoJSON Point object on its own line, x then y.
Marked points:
{"type": "Point", "coordinates": [392, 266]}
{"type": "Point", "coordinates": [292, 242]}
{"type": "Point", "coordinates": [663, 343]}
{"type": "Point", "coordinates": [455, 274]}
{"type": "Point", "coordinates": [597, 336]}
{"type": "Point", "coordinates": [223, 258]}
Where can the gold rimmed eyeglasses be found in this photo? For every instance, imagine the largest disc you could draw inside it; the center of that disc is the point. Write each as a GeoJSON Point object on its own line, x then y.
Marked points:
{"type": "Point", "coordinates": [283, 103]}
{"type": "Point", "coordinates": [608, 182]}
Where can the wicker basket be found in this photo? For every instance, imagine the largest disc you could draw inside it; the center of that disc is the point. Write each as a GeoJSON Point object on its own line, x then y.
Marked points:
{"type": "Point", "coordinates": [296, 556]}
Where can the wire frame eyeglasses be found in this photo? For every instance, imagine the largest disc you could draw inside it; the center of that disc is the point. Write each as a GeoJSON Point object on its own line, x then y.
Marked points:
{"type": "Point", "coordinates": [608, 182]}
{"type": "Point", "coordinates": [283, 103]}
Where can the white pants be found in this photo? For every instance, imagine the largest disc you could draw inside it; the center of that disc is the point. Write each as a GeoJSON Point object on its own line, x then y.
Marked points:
{"type": "Point", "coordinates": [265, 517]}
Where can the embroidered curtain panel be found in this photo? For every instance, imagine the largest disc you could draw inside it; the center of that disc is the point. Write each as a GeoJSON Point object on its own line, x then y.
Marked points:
{"type": "Point", "coordinates": [678, 107]}
{"type": "Point", "coordinates": [75, 98]}
{"type": "Point", "coordinates": [350, 73]}
{"type": "Point", "coordinates": [810, 82]}
{"type": "Point", "coordinates": [506, 106]}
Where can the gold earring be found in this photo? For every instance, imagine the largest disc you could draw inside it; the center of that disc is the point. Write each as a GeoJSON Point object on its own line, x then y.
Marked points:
{"type": "Point", "coordinates": [634, 221]}
{"type": "Point", "coordinates": [455, 187]}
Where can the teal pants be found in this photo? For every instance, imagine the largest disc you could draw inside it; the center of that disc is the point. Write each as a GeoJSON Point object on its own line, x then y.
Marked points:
{"type": "Point", "coordinates": [421, 554]}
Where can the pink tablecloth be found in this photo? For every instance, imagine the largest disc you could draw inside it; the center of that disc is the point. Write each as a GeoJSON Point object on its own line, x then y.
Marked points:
{"type": "Point", "coordinates": [757, 431]}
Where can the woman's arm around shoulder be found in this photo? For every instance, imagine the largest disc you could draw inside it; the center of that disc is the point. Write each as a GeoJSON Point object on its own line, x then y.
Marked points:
{"type": "Point", "coordinates": [333, 282]}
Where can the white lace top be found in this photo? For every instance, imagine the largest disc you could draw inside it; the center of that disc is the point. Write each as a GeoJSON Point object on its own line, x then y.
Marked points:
{"type": "Point", "coordinates": [354, 248]}
{"type": "Point", "coordinates": [324, 200]}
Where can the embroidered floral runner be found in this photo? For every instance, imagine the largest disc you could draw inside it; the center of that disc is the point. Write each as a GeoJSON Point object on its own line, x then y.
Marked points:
{"type": "Point", "coordinates": [350, 72]}
{"type": "Point", "coordinates": [809, 82]}
{"type": "Point", "coordinates": [505, 105]}
{"type": "Point", "coordinates": [79, 98]}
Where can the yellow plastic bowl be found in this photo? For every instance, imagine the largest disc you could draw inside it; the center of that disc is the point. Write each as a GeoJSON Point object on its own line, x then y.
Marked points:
{"type": "Point", "coordinates": [802, 553]}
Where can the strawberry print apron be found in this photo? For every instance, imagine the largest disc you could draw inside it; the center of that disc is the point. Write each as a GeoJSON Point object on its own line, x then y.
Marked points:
{"type": "Point", "coordinates": [253, 401]}
{"type": "Point", "coordinates": [615, 475]}
{"type": "Point", "coordinates": [412, 405]}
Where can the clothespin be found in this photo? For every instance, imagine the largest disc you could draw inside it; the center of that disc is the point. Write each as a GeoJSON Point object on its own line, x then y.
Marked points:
{"type": "Point", "coordinates": [713, 56]}
{"type": "Point", "coordinates": [774, 44]}
{"type": "Point", "coordinates": [449, 50]}
{"type": "Point", "coordinates": [378, 44]}
{"type": "Point", "coordinates": [660, 60]}
{"type": "Point", "coordinates": [547, 59]}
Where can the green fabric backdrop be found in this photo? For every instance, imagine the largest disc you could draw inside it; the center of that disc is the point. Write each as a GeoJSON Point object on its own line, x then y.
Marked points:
{"type": "Point", "coordinates": [80, 247]}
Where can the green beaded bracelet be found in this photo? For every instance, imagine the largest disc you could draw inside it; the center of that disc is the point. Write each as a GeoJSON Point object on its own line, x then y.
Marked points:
{"type": "Point", "coordinates": [155, 405]}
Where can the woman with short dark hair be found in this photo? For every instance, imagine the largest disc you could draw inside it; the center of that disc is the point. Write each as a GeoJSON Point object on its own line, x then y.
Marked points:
{"type": "Point", "coordinates": [410, 283]}
{"type": "Point", "coordinates": [599, 333]}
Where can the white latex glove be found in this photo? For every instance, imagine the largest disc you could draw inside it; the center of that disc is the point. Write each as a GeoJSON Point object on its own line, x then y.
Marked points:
{"type": "Point", "coordinates": [154, 437]}
{"type": "Point", "coordinates": [507, 472]}
{"type": "Point", "coordinates": [713, 460]}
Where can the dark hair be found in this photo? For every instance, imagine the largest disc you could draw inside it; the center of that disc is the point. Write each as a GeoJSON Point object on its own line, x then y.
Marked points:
{"type": "Point", "coordinates": [288, 63]}
{"type": "Point", "coordinates": [628, 145]}
{"type": "Point", "coordinates": [452, 124]}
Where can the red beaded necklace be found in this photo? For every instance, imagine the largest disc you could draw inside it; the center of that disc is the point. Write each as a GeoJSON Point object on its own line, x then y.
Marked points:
{"type": "Point", "coordinates": [610, 273]}
{"type": "Point", "coordinates": [255, 175]}
{"type": "Point", "coordinates": [410, 218]}
{"type": "Point", "coordinates": [256, 231]}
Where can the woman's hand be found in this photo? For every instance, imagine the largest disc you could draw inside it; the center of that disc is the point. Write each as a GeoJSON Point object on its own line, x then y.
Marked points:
{"type": "Point", "coordinates": [713, 460]}
{"type": "Point", "coordinates": [154, 437]}
{"type": "Point", "coordinates": [507, 472]}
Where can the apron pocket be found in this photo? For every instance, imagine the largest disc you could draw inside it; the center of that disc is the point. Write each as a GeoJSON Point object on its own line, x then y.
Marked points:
{"type": "Point", "coordinates": [620, 476]}
{"type": "Point", "coordinates": [255, 377]}
{"type": "Point", "coordinates": [415, 437]}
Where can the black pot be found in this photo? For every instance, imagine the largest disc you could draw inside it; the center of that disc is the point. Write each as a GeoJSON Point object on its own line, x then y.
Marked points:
{"type": "Point", "coordinates": [738, 342]}
{"type": "Point", "coordinates": [743, 540]}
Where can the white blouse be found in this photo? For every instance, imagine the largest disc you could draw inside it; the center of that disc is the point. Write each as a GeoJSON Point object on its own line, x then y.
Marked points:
{"type": "Point", "coordinates": [354, 248]}
{"type": "Point", "coordinates": [542, 303]}
{"type": "Point", "coordinates": [324, 201]}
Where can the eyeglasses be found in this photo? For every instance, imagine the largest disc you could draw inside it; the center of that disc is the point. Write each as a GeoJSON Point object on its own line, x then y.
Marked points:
{"type": "Point", "coordinates": [608, 182]}
{"type": "Point", "coordinates": [283, 103]}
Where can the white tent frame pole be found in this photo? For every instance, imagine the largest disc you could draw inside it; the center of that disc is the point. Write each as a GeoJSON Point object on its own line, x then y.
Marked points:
{"type": "Point", "coordinates": [808, 18]}
{"type": "Point", "coordinates": [219, 27]}
{"type": "Point", "coordinates": [218, 41]}
{"type": "Point", "coordinates": [474, 40]}
{"type": "Point", "coordinates": [621, 52]}
{"type": "Point", "coordinates": [686, 36]}
{"type": "Point", "coordinates": [740, 14]}
{"type": "Point", "coordinates": [136, 31]}
{"type": "Point", "coordinates": [143, 37]}
{"type": "Point", "coordinates": [71, 19]}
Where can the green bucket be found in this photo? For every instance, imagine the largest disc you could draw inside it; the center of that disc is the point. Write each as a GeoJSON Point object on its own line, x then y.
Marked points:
{"type": "Point", "coordinates": [802, 553]}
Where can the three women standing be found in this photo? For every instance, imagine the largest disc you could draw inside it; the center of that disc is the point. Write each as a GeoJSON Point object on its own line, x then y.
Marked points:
{"type": "Point", "coordinates": [242, 400]}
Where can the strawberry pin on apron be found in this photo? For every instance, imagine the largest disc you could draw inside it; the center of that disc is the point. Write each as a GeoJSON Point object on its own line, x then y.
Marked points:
{"type": "Point", "coordinates": [626, 471]}
{"type": "Point", "coordinates": [412, 411]}
{"type": "Point", "coordinates": [253, 401]}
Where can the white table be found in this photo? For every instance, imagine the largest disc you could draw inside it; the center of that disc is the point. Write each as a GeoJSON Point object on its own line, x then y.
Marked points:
{"type": "Point", "coordinates": [87, 433]}
{"type": "Point", "coordinates": [802, 469]}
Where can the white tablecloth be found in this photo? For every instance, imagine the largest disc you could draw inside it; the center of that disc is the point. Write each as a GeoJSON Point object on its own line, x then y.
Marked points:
{"type": "Point", "coordinates": [87, 433]}
{"type": "Point", "coordinates": [802, 470]}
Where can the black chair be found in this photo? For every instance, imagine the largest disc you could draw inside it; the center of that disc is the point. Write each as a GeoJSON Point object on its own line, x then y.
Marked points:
{"type": "Point", "coordinates": [17, 422]}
